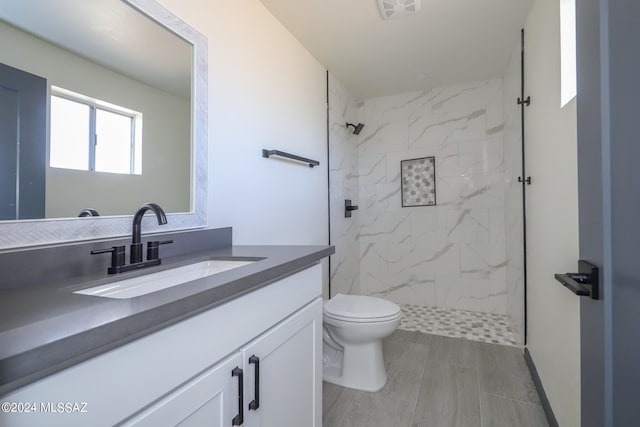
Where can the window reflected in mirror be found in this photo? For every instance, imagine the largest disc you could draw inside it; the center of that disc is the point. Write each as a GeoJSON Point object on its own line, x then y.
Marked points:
{"type": "Point", "coordinates": [88, 135]}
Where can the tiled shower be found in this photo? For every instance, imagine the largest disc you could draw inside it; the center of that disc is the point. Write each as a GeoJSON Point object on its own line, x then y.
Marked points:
{"type": "Point", "coordinates": [455, 266]}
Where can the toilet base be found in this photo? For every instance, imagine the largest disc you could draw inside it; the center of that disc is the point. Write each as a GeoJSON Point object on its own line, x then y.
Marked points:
{"type": "Point", "coordinates": [361, 367]}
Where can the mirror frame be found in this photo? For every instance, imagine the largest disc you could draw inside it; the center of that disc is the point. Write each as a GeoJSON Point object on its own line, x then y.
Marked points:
{"type": "Point", "coordinates": [21, 233]}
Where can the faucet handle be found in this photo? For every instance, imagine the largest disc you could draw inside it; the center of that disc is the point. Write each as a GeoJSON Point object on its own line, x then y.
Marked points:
{"type": "Point", "coordinates": [117, 257]}
{"type": "Point", "coordinates": [152, 249]}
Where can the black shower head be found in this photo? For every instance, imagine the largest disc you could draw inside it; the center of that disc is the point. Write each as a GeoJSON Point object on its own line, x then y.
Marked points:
{"type": "Point", "coordinates": [356, 128]}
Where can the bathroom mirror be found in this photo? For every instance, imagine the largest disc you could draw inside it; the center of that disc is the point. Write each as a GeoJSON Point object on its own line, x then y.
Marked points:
{"type": "Point", "coordinates": [133, 54]}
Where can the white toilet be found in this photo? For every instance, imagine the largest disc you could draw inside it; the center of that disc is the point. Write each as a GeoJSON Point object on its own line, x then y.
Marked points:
{"type": "Point", "coordinates": [354, 326]}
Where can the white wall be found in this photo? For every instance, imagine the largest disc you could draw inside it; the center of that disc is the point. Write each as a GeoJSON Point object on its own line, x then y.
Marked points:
{"type": "Point", "coordinates": [265, 91]}
{"type": "Point", "coordinates": [166, 160]}
{"type": "Point", "coordinates": [453, 254]}
{"type": "Point", "coordinates": [552, 217]}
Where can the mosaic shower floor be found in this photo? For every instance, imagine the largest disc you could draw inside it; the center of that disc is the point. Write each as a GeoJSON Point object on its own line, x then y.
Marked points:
{"type": "Point", "coordinates": [485, 327]}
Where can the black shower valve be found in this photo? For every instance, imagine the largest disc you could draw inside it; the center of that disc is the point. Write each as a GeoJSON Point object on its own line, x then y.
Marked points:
{"type": "Point", "coordinates": [348, 207]}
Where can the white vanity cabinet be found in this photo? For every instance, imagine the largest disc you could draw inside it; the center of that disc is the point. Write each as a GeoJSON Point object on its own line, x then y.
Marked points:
{"type": "Point", "coordinates": [280, 385]}
{"type": "Point", "coordinates": [183, 374]}
{"type": "Point", "coordinates": [207, 400]}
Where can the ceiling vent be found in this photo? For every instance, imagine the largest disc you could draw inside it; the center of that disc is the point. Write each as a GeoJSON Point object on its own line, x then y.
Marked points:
{"type": "Point", "coordinates": [391, 9]}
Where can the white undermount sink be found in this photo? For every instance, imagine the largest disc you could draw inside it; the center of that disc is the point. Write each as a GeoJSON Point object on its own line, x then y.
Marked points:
{"type": "Point", "coordinates": [142, 285]}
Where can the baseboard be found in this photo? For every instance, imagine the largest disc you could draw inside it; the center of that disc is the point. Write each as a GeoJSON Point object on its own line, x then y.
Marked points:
{"type": "Point", "coordinates": [548, 412]}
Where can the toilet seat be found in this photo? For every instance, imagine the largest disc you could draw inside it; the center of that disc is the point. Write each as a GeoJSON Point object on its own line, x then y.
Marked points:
{"type": "Point", "coordinates": [330, 317]}
{"type": "Point", "coordinates": [360, 309]}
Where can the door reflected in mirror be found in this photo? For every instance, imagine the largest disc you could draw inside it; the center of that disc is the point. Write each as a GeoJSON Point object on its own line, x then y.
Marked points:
{"type": "Point", "coordinates": [123, 71]}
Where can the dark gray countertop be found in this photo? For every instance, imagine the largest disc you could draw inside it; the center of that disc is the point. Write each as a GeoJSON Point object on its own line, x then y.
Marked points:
{"type": "Point", "coordinates": [45, 327]}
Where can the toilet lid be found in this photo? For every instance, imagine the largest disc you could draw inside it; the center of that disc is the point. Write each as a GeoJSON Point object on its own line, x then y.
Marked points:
{"type": "Point", "coordinates": [360, 307]}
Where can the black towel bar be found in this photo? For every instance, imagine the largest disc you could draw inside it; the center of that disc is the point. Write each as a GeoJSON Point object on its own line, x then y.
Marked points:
{"type": "Point", "coordinates": [268, 153]}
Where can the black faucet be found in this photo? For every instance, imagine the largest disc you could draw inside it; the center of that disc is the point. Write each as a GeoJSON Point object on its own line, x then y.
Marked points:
{"type": "Point", "coordinates": [136, 243]}
{"type": "Point", "coordinates": [135, 256]}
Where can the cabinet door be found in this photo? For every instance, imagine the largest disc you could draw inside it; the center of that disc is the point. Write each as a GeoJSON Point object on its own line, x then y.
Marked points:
{"type": "Point", "coordinates": [289, 385]}
{"type": "Point", "coordinates": [210, 399]}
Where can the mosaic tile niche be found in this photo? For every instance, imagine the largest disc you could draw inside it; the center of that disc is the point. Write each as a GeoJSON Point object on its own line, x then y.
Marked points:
{"type": "Point", "coordinates": [418, 182]}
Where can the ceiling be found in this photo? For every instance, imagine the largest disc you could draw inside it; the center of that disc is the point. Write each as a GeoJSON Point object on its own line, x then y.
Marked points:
{"type": "Point", "coordinates": [447, 42]}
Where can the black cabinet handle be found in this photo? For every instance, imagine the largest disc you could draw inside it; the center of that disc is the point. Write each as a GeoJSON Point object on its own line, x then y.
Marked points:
{"type": "Point", "coordinates": [239, 419]}
{"type": "Point", "coordinates": [255, 403]}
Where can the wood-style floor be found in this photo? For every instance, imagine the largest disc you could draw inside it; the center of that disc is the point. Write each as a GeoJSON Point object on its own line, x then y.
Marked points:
{"type": "Point", "coordinates": [439, 381]}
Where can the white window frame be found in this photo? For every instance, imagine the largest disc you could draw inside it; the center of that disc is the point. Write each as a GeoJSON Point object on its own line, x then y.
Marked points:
{"type": "Point", "coordinates": [94, 105]}
{"type": "Point", "coordinates": [568, 76]}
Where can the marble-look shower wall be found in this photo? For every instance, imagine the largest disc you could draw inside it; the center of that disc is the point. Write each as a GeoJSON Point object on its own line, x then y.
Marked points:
{"type": "Point", "coordinates": [513, 198]}
{"type": "Point", "coordinates": [343, 184]}
{"type": "Point", "coordinates": [452, 254]}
